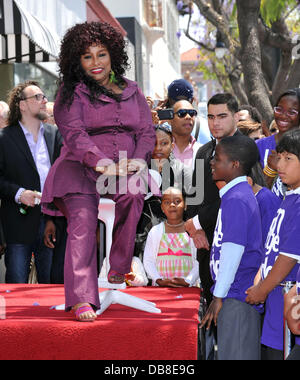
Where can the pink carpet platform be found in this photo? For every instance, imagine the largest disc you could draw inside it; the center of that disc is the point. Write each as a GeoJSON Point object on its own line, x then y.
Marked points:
{"type": "Point", "coordinates": [32, 329]}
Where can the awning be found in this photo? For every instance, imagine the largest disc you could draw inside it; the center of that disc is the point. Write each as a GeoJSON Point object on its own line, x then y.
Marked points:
{"type": "Point", "coordinates": [24, 38]}
{"type": "Point", "coordinates": [102, 14]}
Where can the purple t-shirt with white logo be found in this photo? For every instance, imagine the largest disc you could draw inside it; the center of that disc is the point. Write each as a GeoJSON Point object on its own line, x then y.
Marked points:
{"type": "Point", "coordinates": [239, 223]}
{"type": "Point", "coordinates": [284, 238]}
{"type": "Point", "coordinates": [297, 340]}
{"type": "Point", "coordinates": [268, 204]}
{"type": "Point", "coordinates": [265, 147]}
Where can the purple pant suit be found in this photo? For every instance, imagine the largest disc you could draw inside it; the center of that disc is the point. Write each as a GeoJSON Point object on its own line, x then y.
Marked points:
{"type": "Point", "coordinates": [93, 133]}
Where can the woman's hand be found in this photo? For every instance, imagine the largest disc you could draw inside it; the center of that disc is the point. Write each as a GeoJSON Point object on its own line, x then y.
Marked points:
{"type": "Point", "coordinates": [122, 168]}
{"type": "Point", "coordinates": [135, 165]}
{"type": "Point", "coordinates": [114, 169]}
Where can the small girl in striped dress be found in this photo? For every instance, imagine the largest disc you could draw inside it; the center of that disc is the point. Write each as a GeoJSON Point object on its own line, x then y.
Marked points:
{"type": "Point", "coordinates": [170, 254]}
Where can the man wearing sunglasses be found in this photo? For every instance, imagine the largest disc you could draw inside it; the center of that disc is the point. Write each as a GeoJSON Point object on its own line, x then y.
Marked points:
{"type": "Point", "coordinates": [186, 146]}
{"type": "Point", "coordinates": [28, 148]}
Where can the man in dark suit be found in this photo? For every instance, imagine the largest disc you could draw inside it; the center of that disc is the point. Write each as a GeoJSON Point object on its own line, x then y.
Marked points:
{"type": "Point", "coordinates": [2, 241]}
{"type": "Point", "coordinates": [222, 121]}
{"type": "Point", "coordinates": [28, 148]}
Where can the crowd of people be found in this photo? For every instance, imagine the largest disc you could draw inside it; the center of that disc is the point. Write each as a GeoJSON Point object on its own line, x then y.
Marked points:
{"type": "Point", "coordinates": [219, 214]}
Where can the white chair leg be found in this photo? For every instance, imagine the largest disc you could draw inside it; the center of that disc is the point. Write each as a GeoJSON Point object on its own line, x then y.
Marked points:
{"type": "Point", "coordinates": [109, 297]}
{"type": "Point", "coordinates": [107, 215]}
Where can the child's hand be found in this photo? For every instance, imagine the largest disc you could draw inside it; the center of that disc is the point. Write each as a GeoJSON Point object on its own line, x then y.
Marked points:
{"type": "Point", "coordinates": [255, 295]}
{"type": "Point", "coordinates": [166, 282]}
{"type": "Point", "coordinates": [212, 313]}
{"type": "Point", "coordinates": [273, 160]}
{"type": "Point", "coordinates": [49, 234]}
{"type": "Point", "coordinates": [130, 276]}
{"type": "Point", "coordinates": [179, 281]}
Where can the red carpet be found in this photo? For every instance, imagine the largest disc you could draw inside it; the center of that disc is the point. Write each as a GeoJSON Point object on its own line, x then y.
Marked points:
{"type": "Point", "coordinates": [32, 330]}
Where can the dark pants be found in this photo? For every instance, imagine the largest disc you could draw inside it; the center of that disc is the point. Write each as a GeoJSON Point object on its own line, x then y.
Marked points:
{"type": "Point", "coordinates": [18, 257]}
{"type": "Point", "coordinates": [295, 354]}
{"type": "Point", "coordinates": [203, 257]}
{"type": "Point", "coordinates": [57, 270]}
{"type": "Point", "coordinates": [269, 353]}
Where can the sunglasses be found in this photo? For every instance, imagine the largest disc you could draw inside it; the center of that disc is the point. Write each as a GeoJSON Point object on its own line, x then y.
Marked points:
{"type": "Point", "coordinates": [182, 113]}
{"type": "Point", "coordinates": [289, 113]}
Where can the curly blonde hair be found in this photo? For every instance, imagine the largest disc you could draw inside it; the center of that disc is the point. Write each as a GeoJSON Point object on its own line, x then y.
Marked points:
{"type": "Point", "coordinates": [14, 98]}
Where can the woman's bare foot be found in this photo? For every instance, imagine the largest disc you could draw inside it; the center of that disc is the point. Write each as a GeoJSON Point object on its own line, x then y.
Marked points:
{"type": "Point", "coordinates": [84, 312]}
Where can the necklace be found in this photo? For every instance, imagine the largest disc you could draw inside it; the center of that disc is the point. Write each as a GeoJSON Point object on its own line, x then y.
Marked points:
{"type": "Point", "coordinates": [174, 225]}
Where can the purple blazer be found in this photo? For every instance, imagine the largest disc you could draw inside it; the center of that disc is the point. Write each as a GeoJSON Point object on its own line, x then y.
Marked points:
{"type": "Point", "coordinates": [94, 132]}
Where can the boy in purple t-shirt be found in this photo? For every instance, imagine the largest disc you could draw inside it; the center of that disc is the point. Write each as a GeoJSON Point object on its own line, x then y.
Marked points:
{"type": "Point", "coordinates": [282, 249]}
{"type": "Point", "coordinates": [236, 252]}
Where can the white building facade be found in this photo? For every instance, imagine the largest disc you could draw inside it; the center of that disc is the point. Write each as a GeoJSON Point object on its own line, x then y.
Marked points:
{"type": "Point", "coordinates": [154, 25]}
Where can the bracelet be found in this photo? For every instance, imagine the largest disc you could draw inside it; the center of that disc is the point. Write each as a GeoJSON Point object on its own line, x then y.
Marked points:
{"type": "Point", "coordinates": [269, 172]}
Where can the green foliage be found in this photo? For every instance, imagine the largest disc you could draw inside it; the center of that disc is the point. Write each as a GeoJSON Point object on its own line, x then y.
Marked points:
{"type": "Point", "coordinates": [272, 10]}
{"type": "Point", "coordinates": [212, 69]}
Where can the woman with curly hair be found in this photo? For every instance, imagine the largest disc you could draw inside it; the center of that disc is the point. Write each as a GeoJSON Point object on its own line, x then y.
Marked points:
{"type": "Point", "coordinates": [100, 113]}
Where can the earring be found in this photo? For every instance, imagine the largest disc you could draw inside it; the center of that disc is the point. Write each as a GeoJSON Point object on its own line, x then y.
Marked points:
{"type": "Point", "coordinates": [112, 77]}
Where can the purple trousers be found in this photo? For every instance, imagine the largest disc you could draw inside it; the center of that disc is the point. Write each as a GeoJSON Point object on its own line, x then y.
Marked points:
{"type": "Point", "coordinates": [80, 270]}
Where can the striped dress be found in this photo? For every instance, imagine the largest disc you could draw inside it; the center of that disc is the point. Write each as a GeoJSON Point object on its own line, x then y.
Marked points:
{"type": "Point", "coordinates": [174, 258]}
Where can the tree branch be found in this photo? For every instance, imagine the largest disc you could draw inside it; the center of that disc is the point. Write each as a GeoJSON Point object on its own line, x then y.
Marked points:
{"type": "Point", "coordinates": [290, 11]}
{"type": "Point", "coordinates": [271, 38]}
{"type": "Point", "coordinates": [187, 33]}
{"type": "Point", "coordinates": [220, 22]}
{"type": "Point", "coordinates": [294, 77]}
{"type": "Point", "coordinates": [255, 85]}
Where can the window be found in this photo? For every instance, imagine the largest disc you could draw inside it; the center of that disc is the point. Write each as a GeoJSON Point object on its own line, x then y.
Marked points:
{"type": "Point", "coordinates": [153, 13]}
